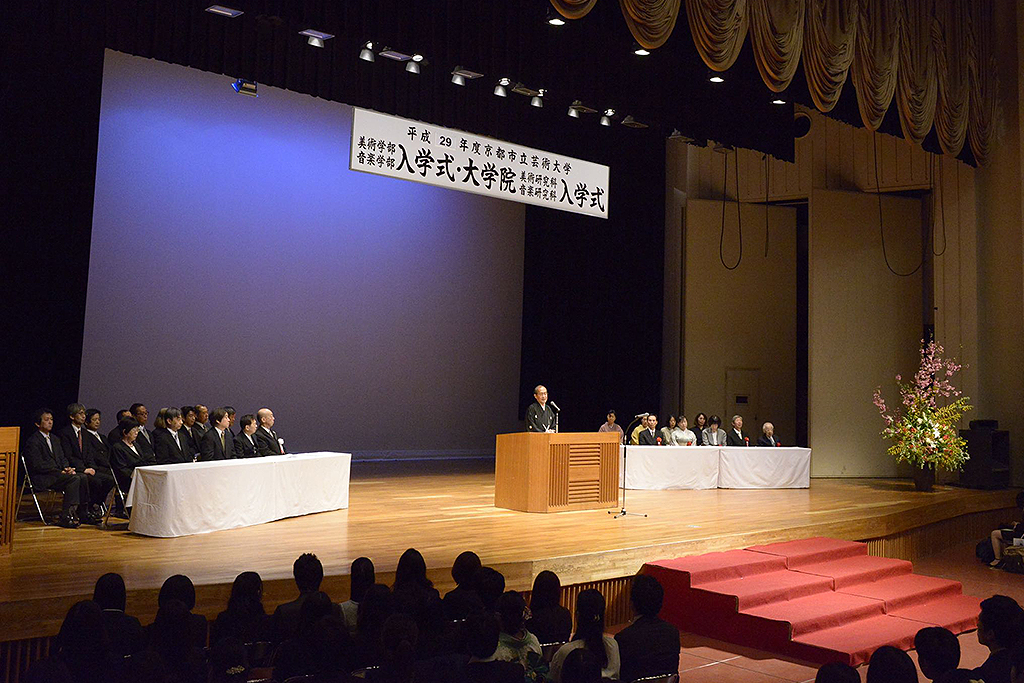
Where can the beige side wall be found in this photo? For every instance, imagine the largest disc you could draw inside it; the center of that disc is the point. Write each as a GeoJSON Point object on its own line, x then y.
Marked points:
{"type": "Point", "coordinates": [743, 318]}
{"type": "Point", "coordinates": [864, 324]}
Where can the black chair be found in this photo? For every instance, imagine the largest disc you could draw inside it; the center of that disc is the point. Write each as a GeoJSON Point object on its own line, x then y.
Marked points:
{"type": "Point", "coordinates": [27, 482]}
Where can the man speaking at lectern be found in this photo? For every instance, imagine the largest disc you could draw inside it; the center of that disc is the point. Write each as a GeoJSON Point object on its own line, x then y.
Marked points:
{"type": "Point", "coordinates": [539, 416]}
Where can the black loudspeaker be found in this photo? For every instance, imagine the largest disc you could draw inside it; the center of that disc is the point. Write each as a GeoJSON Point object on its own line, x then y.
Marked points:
{"type": "Point", "coordinates": [989, 451]}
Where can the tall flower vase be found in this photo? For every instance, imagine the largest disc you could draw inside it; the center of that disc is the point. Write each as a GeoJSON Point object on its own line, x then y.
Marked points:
{"type": "Point", "coordinates": [924, 477]}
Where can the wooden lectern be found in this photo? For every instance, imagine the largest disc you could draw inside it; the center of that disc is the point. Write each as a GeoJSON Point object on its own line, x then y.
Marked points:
{"type": "Point", "coordinates": [8, 486]}
{"type": "Point", "coordinates": [535, 472]}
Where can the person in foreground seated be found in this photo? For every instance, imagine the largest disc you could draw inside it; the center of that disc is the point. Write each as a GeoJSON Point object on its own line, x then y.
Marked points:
{"type": "Point", "coordinates": [516, 643]}
{"type": "Point", "coordinates": [50, 469]}
{"type": "Point", "coordinates": [75, 442]}
{"type": "Point", "coordinates": [539, 416]}
{"type": "Point", "coordinates": [1005, 535]}
{"type": "Point", "coordinates": [97, 448]}
{"type": "Point", "coordinates": [231, 418]}
{"type": "Point", "coordinates": [890, 664]}
{"type": "Point", "coordinates": [767, 437]}
{"type": "Point", "coordinates": [684, 437]}
{"type": "Point", "coordinates": [649, 436]}
{"type": "Point", "coordinates": [712, 434]}
{"type": "Point", "coordinates": [1000, 629]}
{"type": "Point", "coordinates": [668, 432]}
{"type": "Point", "coordinates": [648, 646]}
{"type": "Point", "coordinates": [125, 632]}
{"type": "Point", "coordinates": [482, 634]}
{"type": "Point", "coordinates": [244, 617]}
{"type": "Point", "coordinates": [170, 445]}
{"type": "Point", "coordinates": [550, 622]}
{"type": "Point", "coordinates": [735, 436]}
{"type": "Point", "coordinates": [837, 672]}
{"type": "Point", "coordinates": [144, 443]}
{"type": "Point", "coordinates": [188, 424]}
{"type": "Point", "coordinates": [170, 636]}
{"type": "Point", "coordinates": [362, 576]}
{"type": "Point", "coordinates": [463, 600]}
{"type": "Point", "coordinates": [700, 421]}
{"type": "Point", "coordinates": [218, 443]}
{"type": "Point", "coordinates": [202, 424]}
{"type": "Point", "coordinates": [634, 436]}
{"type": "Point", "coordinates": [308, 573]}
{"type": "Point", "coordinates": [115, 434]}
{"type": "Point", "coordinates": [582, 666]}
{"type": "Point", "coordinates": [83, 644]}
{"type": "Point", "coordinates": [609, 424]}
{"type": "Point", "coordinates": [125, 455]}
{"type": "Point", "coordinates": [589, 634]}
{"type": "Point", "coordinates": [266, 438]}
{"type": "Point", "coordinates": [938, 653]}
{"type": "Point", "coordinates": [245, 441]}
{"type": "Point", "coordinates": [179, 589]}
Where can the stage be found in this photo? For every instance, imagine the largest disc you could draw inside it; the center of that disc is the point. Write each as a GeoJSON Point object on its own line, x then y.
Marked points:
{"type": "Point", "coordinates": [443, 508]}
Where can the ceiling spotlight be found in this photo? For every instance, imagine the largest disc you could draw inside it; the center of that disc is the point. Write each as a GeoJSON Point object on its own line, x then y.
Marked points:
{"type": "Point", "coordinates": [417, 57]}
{"type": "Point", "coordinates": [640, 50]}
{"type": "Point", "coordinates": [316, 38]}
{"type": "Point", "coordinates": [630, 122]}
{"type": "Point", "coordinates": [223, 11]}
{"type": "Point", "coordinates": [715, 77]}
{"type": "Point", "coordinates": [554, 18]}
{"type": "Point", "coordinates": [366, 53]}
{"type": "Point", "coordinates": [500, 89]}
{"type": "Point", "coordinates": [538, 99]}
{"type": "Point", "coordinates": [458, 79]}
{"type": "Point", "coordinates": [574, 113]}
{"type": "Point", "coordinates": [606, 119]}
{"type": "Point", "coordinates": [577, 108]}
{"type": "Point", "coordinates": [244, 87]}
{"type": "Point", "coordinates": [778, 100]}
{"type": "Point", "coordinates": [412, 67]}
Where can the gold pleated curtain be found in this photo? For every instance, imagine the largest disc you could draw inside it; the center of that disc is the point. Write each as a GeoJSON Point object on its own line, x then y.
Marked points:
{"type": "Point", "coordinates": [934, 57]}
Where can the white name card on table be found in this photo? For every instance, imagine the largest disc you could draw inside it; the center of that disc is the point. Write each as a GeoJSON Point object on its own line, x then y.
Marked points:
{"type": "Point", "coordinates": [424, 153]}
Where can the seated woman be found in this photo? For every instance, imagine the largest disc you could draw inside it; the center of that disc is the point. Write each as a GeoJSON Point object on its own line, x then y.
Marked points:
{"type": "Point", "coordinates": [684, 437]}
{"type": "Point", "coordinates": [712, 435]}
{"type": "Point", "coordinates": [1004, 536]}
{"type": "Point", "coordinates": [590, 635]}
{"type": "Point", "coordinates": [668, 432]}
{"type": "Point", "coordinates": [245, 618]}
{"type": "Point", "coordinates": [699, 423]}
{"type": "Point", "coordinates": [550, 622]}
{"type": "Point", "coordinates": [515, 643]}
{"type": "Point", "coordinates": [125, 456]}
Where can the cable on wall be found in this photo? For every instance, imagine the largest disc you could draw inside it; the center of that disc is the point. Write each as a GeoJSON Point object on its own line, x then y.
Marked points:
{"type": "Point", "coordinates": [881, 225]}
{"type": "Point", "coordinates": [739, 224]}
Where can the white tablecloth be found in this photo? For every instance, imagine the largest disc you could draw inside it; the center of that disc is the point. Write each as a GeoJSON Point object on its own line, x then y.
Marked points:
{"type": "Point", "coordinates": [706, 467]}
{"type": "Point", "coordinates": [764, 468]}
{"type": "Point", "coordinates": [197, 497]}
{"type": "Point", "coordinates": [658, 468]}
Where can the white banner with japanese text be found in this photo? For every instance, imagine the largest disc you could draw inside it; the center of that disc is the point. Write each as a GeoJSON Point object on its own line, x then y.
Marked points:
{"type": "Point", "coordinates": [412, 150]}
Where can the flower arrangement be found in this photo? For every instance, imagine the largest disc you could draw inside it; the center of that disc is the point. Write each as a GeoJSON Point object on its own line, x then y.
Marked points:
{"type": "Point", "coordinates": [924, 432]}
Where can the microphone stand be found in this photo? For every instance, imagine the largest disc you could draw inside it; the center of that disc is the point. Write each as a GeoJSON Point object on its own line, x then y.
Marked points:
{"type": "Point", "coordinates": [625, 447]}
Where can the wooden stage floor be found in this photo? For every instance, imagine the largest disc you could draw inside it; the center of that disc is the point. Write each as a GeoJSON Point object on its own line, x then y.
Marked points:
{"type": "Point", "coordinates": [442, 509]}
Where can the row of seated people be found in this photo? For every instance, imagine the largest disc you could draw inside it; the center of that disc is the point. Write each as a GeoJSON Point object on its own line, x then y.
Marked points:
{"type": "Point", "coordinates": [477, 632]}
{"type": "Point", "coordinates": [706, 432]}
{"type": "Point", "coordinates": [83, 464]}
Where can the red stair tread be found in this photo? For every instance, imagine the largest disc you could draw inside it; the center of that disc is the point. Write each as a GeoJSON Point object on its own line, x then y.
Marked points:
{"type": "Point", "coordinates": [730, 564]}
{"type": "Point", "coordinates": [767, 588]}
{"type": "Point", "coordinates": [905, 590]}
{"type": "Point", "coordinates": [817, 612]}
{"type": "Point", "coordinates": [851, 571]}
{"type": "Point", "coordinates": [958, 613]}
{"type": "Point", "coordinates": [812, 550]}
{"type": "Point", "coordinates": [857, 640]}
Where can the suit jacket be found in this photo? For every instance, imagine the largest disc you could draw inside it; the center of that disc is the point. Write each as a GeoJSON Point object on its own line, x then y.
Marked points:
{"type": "Point", "coordinates": [732, 440]}
{"type": "Point", "coordinates": [166, 451]}
{"type": "Point", "coordinates": [97, 452]}
{"type": "Point", "coordinates": [647, 439]}
{"type": "Point", "coordinates": [284, 624]}
{"type": "Point", "coordinates": [69, 443]}
{"type": "Point", "coordinates": [210, 448]}
{"type": "Point", "coordinates": [145, 445]}
{"type": "Point", "coordinates": [245, 448]}
{"type": "Point", "coordinates": [707, 438]}
{"type": "Point", "coordinates": [267, 442]}
{"type": "Point", "coordinates": [42, 464]}
{"type": "Point", "coordinates": [540, 419]}
{"type": "Point", "coordinates": [763, 441]}
{"type": "Point", "coordinates": [125, 460]}
{"type": "Point", "coordinates": [648, 647]}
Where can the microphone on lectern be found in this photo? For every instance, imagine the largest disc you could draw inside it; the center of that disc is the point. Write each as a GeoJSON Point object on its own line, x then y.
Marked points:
{"type": "Point", "coordinates": [635, 417]}
{"type": "Point", "coordinates": [554, 406]}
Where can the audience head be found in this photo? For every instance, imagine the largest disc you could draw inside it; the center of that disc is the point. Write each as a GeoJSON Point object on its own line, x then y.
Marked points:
{"type": "Point", "coordinates": [837, 672]}
{"type": "Point", "coordinates": [715, 422]}
{"type": "Point", "coordinates": [188, 415]}
{"type": "Point", "coordinates": [315, 607]}
{"type": "Point", "coordinates": [646, 595]}
{"type": "Point", "coordinates": [547, 591]}
{"type": "Point", "coordinates": [92, 419]}
{"type": "Point", "coordinates": [398, 638]}
{"type": "Point", "coordinates": [465, 567]}
{"type": "Point", "coordinates": [1000, 623]}
{"type": "Point", "coordinates": [229, 661]}
{"type": "Point", "coordinates": [172, 418]}
{"type": "Point", "coordinates": [161, 418]}
{"type": "Point", "coordinates": [178, 587]}
{"type": "Point", "coordinates": [43, 418]}
{"type": "Point", "coordinates": [489, 584]}
{"type": "Point", "coordinates": [248, 422]}
{"type": "Point", "coordinates": [109, 592]}
{"type": "Point", "coordinates": [170, 632]}
{"type": "Point", "coordinates": [202, 413]}
{"type": "Point", "coordinates": [76, 414]}
{"type": "Point", "coordinates": [246, 593]}
{"type": "Point", "coordinates": [376, 606]}
{"type": "Point", "coordinates": [768, 428]}
{"type": "Point", "coordinates": [938, 651]}
{"type": "Point", "coordinates": [308, 573]}
{"type": "Point", "coordinates": [890, 664]}
{"type": "Point", "coordinates": [482, 633]}
{"type": "Point", "coordinates": [590, 622]}
{"type": "Point", "coordinates": [140, 413]}
{"type": "Point", "coordinates": [700, 421]}
{"type": "Point", "coordinates": [511, 609]}
{"type": "Point", "coordinates": [219, 418]}
{"type": "Point", "coordinates": [582, 666]}
{"type": "Point", "coordinates": [411, 571]}
{"type": "Point", "coordinates": [362, 576]}
{"type": "Point", "coordinates": [129, 429]}
{"type": "Point", "coordinates": [82, 634]}
{"type": "Point", "coordinates": [265, 417]}
{"type": "Point", "coordinates": [610, 417]}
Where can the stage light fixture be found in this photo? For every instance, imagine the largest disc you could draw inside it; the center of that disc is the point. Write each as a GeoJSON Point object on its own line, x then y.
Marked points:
{"type": "Point", "coordinates": [417, 57]}
{"type": "Point", "coordinates": [391, 53]}
{"type": "Point", "coordinates": [715, 77]}
{"type": "Point", "coordinates": [366, 53]}
{"type": "Point", "coordinates": [577, 108]}
{"type": "Point", "coordinates": [779, 101]}
{"type": "Point", "coordinates": [458, 79]}
{"type": "Point", "coordinates": [630, 122]}
{"type": "Point", "coordinates": [554, 18]}
{"type": "Point", "coordinates": [412, 67]}
{"type": "Point", "coordinates": [501, 89]}
{"type": "Point", "coordinates": [640, 50]}
{"type": "Point", "coordinates": [538, 99]}
{"type": "Point", "coordinates": [676, 135]}
{"type": "Point", "coordinates": [314, 37]}
{"type": "Point", "coordinates": [606, 118]}
{"type": "Point", "coordinates": [223, 11]}
{"type": "Point", "coordinates": [573, 113]}
{"type": "Point", "coordinates": [244, 87]}
{"type": "Point", "coordinates": [460, 74]}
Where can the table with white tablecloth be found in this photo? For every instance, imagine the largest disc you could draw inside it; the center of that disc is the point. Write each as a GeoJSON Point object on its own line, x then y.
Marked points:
{"type": "Point", "coordinates": [198, 497]}
{"type": "Point", "coordinates": [706, 467]}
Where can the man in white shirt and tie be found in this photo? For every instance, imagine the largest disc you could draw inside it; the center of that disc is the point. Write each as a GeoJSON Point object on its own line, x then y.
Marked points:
{"type": "Point", "coordinates": [144, 442]}
{"type": "Point", "coordinates": [50, 469]}
{"type": "Point", "coordinates": [245, 442]}
{"type": "Point", "coordinates": [649, 436]}
{"type": "Point", "coordinates": [171, 444]}
{"type": "Point", "coordinates": [735, 436]}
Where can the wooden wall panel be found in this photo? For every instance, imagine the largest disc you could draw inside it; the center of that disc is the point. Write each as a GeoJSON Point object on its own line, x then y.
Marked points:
{"type": "Point", "coordinates": [9, 440]}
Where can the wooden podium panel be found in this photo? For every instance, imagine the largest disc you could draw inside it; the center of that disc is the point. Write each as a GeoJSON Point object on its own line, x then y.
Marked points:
{"type": "Point", "coordinates": [8, 485]}
{"type": "Point", "coordinates": [536, 472]}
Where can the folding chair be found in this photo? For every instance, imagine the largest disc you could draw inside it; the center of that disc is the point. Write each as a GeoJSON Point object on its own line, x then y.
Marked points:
{"type": "Point", "coordinates": [27, 481]}
{"type": "Point", "coordinates": [109, 503]}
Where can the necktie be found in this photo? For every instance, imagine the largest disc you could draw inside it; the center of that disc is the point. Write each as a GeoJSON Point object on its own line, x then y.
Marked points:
{"type": "Point", "coordinates": [176, 442]}
{"type": "Point", "coordinates": [48, 444]}
{"type": "Point", "coordinates": [222, 441]}
{"type": "Point", "coordinates": [79, 439]}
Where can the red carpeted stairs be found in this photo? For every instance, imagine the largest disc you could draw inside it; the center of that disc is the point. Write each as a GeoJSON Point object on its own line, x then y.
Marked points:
{"type": "Point", "coordinates": [816, 599]}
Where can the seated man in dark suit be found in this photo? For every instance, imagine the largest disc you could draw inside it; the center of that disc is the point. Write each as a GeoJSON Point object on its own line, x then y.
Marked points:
{"type": "Point", "coordinates": [245, 442]}
{"type": "Point", "coordinates": [202, 424]}
{"type": "Point", "coordinates": [73, 438]}
{"type": "Point", "coordinates": [1000, 629]}
{"type": "Point", "coordinates": [115, 434]}
{"type": "Point", "coordinates": [767, 438]}
{"type": "Point", "coordinates": [97, 449]}
{"type": "Point", "coordinates": [50, 469]}
{"type": "Point", "coordinates": [482, 633]}
{"type": "Point", "coordinates": [125, 632]}
{"type": "Point", "coordinates": [308, 573]}
{"type": "Point", "coordinates": [125, 455]}
{"type": "Point", "coordinates": [648, 646]}
{"type": "Point", "coordinates": [188, 429]}
{"type": "Point", "coordinates": [217, 444]}
{"type": "Point", "coordinates": [649, 436]}
{"type": "Point", "coordinates": [231, 418]}
{"type": "Point", "coordinates": [145, 441]}
{"type": "Point", "coordinates": [170, 444]}
{"type": "Point", "coordinates": [735, 436]}
{"type": "Point", "coordinates": [266, 438]}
